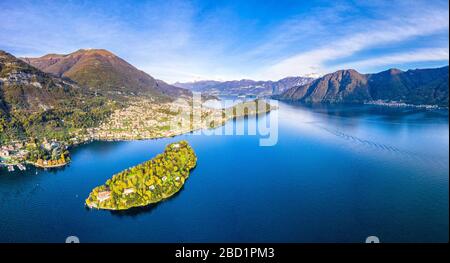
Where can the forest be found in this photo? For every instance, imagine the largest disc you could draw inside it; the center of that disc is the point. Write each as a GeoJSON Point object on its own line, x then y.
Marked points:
{"type": "Point", "coordinates": [148, 182]}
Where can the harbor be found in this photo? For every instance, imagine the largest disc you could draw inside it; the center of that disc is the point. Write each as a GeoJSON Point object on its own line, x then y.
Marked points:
{"type": "Point", "coordinates": [11, 168]}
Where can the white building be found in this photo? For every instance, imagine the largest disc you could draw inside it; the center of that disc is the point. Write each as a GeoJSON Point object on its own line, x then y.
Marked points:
{"type": "Point", "coordinates": [128, 191]}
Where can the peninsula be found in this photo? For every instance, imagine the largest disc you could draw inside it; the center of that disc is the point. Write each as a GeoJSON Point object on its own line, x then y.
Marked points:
{"type": "Point", "coordinates": [147, 183]}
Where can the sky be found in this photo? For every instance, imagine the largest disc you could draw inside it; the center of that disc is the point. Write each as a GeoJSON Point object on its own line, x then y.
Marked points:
{"type": "Point", "coordinates": [226, 40]}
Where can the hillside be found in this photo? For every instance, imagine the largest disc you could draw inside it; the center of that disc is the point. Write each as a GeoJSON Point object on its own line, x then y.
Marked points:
{"type": "Point", "coordinates": [105, 73]}
{"type": "Point", "coordinates": [37, 104]}
{"type": "Point", "coordinates": [419, 86]}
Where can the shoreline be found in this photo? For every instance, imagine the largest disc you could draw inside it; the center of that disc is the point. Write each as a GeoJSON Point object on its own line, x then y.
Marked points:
{"type": "Point", "coordinates": [139, 138]}
{"type": "Point", "coordinates": [394, 104]}
{"type": "Point", "coordinates": [48, 166]}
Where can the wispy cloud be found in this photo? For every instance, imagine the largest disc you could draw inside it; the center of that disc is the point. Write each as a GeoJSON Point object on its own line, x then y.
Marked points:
{"type": "Point", "coordinates": [377, 33]}
{"type": "Point", "coordinates": [419, 55]}
{"type": "Point", "coordinates": [177, 40]}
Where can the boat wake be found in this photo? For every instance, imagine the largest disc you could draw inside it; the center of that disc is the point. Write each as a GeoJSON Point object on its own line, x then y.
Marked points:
{"type": "Point", "coordinates": [385, 148]}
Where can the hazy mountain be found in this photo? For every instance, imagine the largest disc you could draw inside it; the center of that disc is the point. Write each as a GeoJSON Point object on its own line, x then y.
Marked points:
{"type": "Point", "coordinates": [244, 86]}
{"type": "Point", "coordinates": [104, 72]}
{"type": "Point", "coordinates": [197, 85]}
{"type": "Point", "coordinates": [419, 86]}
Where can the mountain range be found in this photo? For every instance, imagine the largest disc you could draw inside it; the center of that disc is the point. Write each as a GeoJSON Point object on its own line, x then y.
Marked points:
{"type": "Point", "coordinates": [419, 86]}
{"type": "Point", "coordinates": [105, 73]}
{"type": "Point", "coordinates": [53, 94]}
{"type": "Point", "coordinates": [244, 87]}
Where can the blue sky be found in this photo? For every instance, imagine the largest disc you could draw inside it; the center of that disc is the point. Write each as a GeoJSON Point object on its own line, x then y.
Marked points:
{"type": "Point", "coordinates": [224, 40]}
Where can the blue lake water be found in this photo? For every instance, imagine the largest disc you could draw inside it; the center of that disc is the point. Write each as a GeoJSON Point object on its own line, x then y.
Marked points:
{"type": "Point", "coordinates": [337, 174]}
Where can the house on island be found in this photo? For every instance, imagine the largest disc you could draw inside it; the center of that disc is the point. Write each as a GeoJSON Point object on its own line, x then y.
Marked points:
{"type": "Point", "coordinates": [128, 191]}
{"type": "Point", "coordinates": [46, 145]}
{"type": "Point", "coordinates": [175, 146]}
{"type": "Point", "coordinates": [104, 195]}
{"type": "Point", "coordinates": [152, 187]}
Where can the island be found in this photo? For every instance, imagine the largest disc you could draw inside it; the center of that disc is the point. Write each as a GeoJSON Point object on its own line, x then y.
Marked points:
{"type": "Point", "coordinates": [147, 183]}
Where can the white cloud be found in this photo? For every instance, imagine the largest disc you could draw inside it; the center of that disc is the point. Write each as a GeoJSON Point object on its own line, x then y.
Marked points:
{"type": "Point", "coordinates": [179, 41]}
{"type": "Point", "coordinates": [379, 33]}
{"type": "Point", "coordinates": [419, 55]}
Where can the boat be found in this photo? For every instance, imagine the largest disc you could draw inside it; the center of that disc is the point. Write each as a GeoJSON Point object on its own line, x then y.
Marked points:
{"type": "Point", "coordinates": [21, 167]}
{"type": "Point", "coordinates": [11, 168]}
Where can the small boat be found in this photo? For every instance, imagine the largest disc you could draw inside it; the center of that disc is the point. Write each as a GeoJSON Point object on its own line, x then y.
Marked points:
{"type": "Point", "coordinates": [21, 167]}
{"type": "Point", "coordinates": [11, 168]}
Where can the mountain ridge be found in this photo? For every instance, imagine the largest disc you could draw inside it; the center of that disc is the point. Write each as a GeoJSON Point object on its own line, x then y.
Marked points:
{"type": "Point", "coordinates": [104, 72]}
{"type": "Point", "coordinates": [244, 86]}
{"type": "Point", "coordinates": [417, 86]}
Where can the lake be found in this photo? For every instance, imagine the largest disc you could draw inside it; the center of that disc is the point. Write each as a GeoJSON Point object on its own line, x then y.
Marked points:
{"type": "Point", "coordinates": [336, 174]}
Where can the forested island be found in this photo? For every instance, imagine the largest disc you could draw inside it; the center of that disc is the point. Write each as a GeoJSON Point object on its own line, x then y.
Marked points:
{"type": "Point", "coordinates": [147, 183]}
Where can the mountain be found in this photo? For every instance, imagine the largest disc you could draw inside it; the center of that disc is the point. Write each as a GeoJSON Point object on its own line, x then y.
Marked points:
{"type": "Point", "coordinates": [286, 83]}
{"type": "Point", "coordinates": [419, 86]}
{"type": "Point", "coordinates": [197, 85]}
{"type": "Point", "coordinates": [106, 73]}
{"type": "Point", "coordinates": [35, 103]}
{"type": "Point", "coordinates": [244, 86]}
{"type": "Point", "coordinates": [24, 87]}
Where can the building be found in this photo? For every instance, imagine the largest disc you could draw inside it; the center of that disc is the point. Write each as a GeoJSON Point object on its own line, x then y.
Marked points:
{"type": "Point", "coordinates": [104, 195]}
{"type": "Point", "coordinates": [128, 191]}
{"type": "Point", "coordinates": [47, 146]}
{"type": "Point", "coordinates": [18, 145]}
{"type": "Point", "coordinates": [175, 146]}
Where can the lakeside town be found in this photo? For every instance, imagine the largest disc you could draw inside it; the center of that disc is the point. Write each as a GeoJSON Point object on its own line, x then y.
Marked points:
{"type": "Point", "coordinates": [397, 104]}
{"type": "Point", "coordinates": [48, 154]}
{"type": "Point", "coordinates": [141, 119]}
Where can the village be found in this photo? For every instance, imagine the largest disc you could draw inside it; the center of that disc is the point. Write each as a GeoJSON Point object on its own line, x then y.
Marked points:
{"type": "Point", "coordinates": [142, 119]}
{"type": "Point", "coordinates": [401, 104]}
{"type": "Point", "coordinates": [146, 120]}
{"type": "Point", "coordinates": [11, 155]}
{"type": "Point", "coordinates": [48, 154]}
